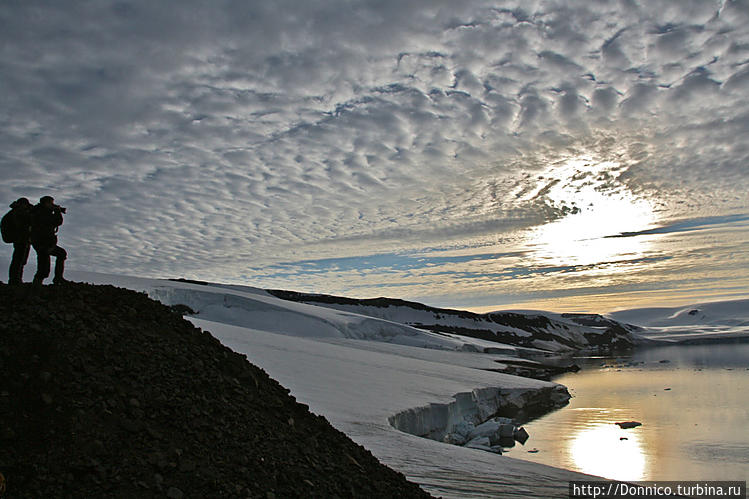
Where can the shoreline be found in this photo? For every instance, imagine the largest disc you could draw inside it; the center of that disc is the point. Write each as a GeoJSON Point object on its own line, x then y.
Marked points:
{"type": "Point", "coordinates": [681, 393]}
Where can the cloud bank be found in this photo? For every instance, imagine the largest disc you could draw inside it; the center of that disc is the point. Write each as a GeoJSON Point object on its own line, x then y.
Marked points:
{"type": "Point", "coordinates": [249, 141]}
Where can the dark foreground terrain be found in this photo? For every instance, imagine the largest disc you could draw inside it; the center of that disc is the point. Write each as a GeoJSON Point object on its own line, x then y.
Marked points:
{"type": "Point", "coordinates": [106, 393]}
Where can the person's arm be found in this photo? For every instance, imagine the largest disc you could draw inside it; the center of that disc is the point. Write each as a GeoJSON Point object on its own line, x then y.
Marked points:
{"type": "Point", "coordinates": [56, 216]}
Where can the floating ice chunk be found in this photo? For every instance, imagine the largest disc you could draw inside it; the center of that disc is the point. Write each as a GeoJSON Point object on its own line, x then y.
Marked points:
{"type": "Point", "coordinates": [487, 429]}
{"type": "Point", "coordinates": [521, 435]}
{"type": "Point", "coordinates": [625, 425]}
{"type": "Point", "coordinates": [460, 433]}
{"type": "Point", "coordinates": [506, 430]}
{"type": "Point", "coordinates": [483, 443]}
{"type": "Point", "coordinates": [494, 429]}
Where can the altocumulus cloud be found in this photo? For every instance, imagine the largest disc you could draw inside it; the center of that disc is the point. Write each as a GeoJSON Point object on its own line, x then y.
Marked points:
{"type": "Point", "coordinates": [239, 140]}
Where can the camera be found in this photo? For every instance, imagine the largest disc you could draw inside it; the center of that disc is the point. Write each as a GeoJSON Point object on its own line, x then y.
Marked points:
{"type": "Point", "coordinates": [61, 208]}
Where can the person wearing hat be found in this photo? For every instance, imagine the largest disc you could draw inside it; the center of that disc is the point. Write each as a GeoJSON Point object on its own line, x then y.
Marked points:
{"type": "Point", "coordinates": [16, 226]}
{"type": "Point", "coordinates": [46, 218]}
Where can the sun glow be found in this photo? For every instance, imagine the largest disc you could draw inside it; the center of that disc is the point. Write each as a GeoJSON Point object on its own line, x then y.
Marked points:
{"type": "Point", "coordinates": [590, 203]}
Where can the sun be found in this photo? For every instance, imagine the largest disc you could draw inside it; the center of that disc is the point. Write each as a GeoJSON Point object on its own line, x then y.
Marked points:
{"type": "Point", "coordinates": [590, 203]}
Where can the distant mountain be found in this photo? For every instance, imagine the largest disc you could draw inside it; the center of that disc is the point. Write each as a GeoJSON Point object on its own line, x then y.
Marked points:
{"type": "Point", "coordinates": [712, 322]}
{"type": "Point", "coordinates": [526, 329]}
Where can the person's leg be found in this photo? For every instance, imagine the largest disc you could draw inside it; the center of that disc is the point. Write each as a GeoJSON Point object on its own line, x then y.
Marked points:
{"type": "Point", "coordinates": [42, 265]}
{"type": "Point", "coordinates": [19, 259]}
{"type": "Point", "coordinates": [60, 255]}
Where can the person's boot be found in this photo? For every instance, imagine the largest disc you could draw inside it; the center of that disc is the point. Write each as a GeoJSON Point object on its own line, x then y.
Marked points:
{"type": "Point", "coordinates": [15, 275]}
{"type": "Point", "coordinates": [37, 282]}
{"type": "Point", "coordinates": [59, 269]}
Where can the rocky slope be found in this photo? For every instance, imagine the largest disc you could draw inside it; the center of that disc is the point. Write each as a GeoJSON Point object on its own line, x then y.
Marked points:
{"type": "Point", "coordinates": [106, 393]}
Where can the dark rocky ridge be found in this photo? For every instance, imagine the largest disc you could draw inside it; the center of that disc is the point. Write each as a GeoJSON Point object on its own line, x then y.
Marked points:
{"type": "Point", "coordinates": [106, 393]}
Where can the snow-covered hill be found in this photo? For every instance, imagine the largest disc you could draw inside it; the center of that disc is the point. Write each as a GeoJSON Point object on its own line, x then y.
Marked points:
{"type": "Point", "coordinates": [525, 329]}
{"type": "Point", "coordinates": [701, 323]}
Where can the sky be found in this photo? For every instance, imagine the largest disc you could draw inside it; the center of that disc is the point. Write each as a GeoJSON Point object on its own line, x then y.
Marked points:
{"type": "Point", "coordinates": [558, 155]}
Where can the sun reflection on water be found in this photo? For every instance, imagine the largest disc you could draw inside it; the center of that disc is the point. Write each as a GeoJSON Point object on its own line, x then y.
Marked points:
{"type": "Point", "coordinates": [605, 450]}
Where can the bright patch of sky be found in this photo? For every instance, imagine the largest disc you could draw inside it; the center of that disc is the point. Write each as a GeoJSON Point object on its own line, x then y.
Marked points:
{"type": "Point", "coordinates": [466, 154]}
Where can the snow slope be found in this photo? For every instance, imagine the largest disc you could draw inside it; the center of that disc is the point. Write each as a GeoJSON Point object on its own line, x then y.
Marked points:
{"type": "Point", "coordinates": [524, 329]}
{"type": "Point", "coordinates": [706, 322]}
{"type": "Point", "coordinates": [321, 355]}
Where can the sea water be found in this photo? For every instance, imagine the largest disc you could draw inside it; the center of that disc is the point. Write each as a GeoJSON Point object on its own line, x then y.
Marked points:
{"type": "Point", "coordinates": [692, 401]}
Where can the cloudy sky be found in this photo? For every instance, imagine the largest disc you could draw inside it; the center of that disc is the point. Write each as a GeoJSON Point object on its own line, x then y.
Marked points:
{"type": "Point", "coordinates": [475, 154]}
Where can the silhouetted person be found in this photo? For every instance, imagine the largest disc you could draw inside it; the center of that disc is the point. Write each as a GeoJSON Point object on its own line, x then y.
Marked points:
{"type": "Point", "coordinates": [16, 230]}
{"type": "Point", "coordinates": [46, 217]}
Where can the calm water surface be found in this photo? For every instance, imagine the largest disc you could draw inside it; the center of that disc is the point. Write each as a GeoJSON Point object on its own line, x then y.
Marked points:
{"type": "Point", "coordinates": [694, 411]}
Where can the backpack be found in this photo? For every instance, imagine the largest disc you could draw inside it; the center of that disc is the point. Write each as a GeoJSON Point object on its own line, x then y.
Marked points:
{"type": "Point", "coordinates": [8, 227]}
